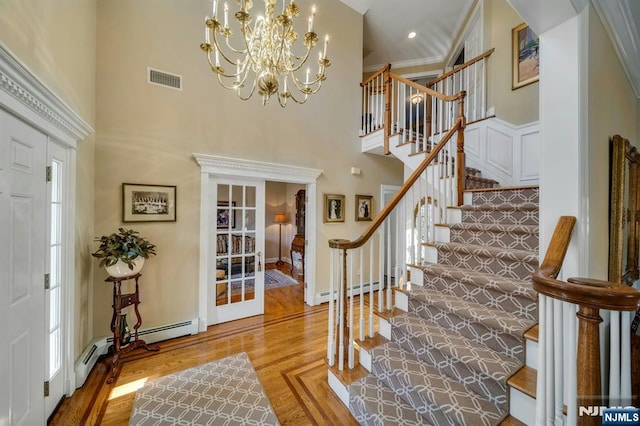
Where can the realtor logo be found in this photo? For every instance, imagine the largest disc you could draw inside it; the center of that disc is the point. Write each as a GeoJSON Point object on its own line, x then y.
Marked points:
{"type": "Point", "coordinates": [628, 416]}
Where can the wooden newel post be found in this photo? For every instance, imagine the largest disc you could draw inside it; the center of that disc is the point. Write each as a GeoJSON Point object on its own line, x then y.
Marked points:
{"type": "Point", "coordinates": [588, 365]}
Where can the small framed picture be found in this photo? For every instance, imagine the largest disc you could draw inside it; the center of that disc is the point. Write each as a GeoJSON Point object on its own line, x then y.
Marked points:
{"type": "Point", "coordinates": [364, 207]}
{"type": "Point", "coordinates": [333, 208]}
{"type": "Point", "coordinates": [225, 217]}
{"type": "Point", "coordinates": [525, 56]}
{"type": "Point", "coordinates": [148, 203]}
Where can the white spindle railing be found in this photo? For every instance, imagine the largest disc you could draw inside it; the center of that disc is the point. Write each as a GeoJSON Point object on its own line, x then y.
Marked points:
{"type": "Point", "coordinates": [395, 239]}
{"type": "Point", "coordinates": [415, 113]}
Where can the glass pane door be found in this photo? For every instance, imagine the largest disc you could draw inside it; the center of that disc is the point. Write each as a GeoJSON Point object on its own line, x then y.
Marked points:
{"type": "Point", "coordinates": [236, 284]}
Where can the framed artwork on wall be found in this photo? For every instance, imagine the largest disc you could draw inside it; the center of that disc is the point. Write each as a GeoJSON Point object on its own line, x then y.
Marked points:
{"type": "Point", "coordinates": [148, 203]}
{"type": "Point", "coordinates": [333, 208]}
{"type": "Point", "coordinates": [364, 207]}
{"type": "Point", "coordinates": [526, 58]}
{"type": "Point", "coordinates": [225, 217]}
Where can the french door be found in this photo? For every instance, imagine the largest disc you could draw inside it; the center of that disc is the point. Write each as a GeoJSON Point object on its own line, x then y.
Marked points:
{"type": "Point", "coordinates": [236, 243]}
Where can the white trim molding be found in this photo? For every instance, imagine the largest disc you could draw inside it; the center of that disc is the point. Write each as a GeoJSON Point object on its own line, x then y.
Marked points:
{"type": "Point", "coordinates": [213, 165]}
{"type": "Point", "coordinates": [24, 94]}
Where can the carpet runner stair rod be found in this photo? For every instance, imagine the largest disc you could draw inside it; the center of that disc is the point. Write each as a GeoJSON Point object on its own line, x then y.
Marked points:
{"type": "Point", "coordinates": [459, 337]}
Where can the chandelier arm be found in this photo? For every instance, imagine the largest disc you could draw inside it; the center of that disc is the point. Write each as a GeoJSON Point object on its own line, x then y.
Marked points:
{"type": "Point", "coordinates": [253, 88]}
{"type": "Point", "coordinates": [300, 102]}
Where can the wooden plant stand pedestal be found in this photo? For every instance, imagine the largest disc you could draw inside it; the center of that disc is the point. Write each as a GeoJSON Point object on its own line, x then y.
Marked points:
{"type": "Point", "coordinates": [121, 301]}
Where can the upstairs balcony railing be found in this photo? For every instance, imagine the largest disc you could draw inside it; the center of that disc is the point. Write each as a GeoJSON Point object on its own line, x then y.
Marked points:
{"type": "Point", "coordinates": [422, 114]}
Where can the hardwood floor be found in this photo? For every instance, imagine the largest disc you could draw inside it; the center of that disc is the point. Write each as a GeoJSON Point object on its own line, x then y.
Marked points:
{"type": "Point", "coordinates": [286, 345]}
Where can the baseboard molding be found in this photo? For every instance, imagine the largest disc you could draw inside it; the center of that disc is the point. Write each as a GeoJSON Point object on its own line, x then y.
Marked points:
{"type": "Point", "coordinates": [100, 347]}
{"type": "Point", "coordinates": [324, 296]}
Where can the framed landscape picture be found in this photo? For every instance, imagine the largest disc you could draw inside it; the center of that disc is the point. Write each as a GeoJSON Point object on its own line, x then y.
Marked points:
{"type": "Point", "coordinates": [148, 203]}
{"type": "Point", "coordinates": [333, 208]}
{"type": "Point", "coordinates": [364, 206]}
{"type": "Point", "coordinates": [526, 58]}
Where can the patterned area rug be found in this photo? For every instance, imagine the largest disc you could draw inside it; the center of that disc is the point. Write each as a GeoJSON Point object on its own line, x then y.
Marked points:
{"type": "Point", "coordinates": [274, 278]}
{"type": "Point", "coordinates": [223, 392]}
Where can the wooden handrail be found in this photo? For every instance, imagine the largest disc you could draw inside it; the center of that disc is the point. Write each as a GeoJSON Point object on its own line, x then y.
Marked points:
{"type": "Point", "coordinates": [427, 90]}
{"type": "Point", "coordinates": [386, 211]}
{"type": "Point", "coordinates": [590, 295]}
{"type": "Point", "coordinates": [460, 67]}
{"type": "Point", "coordinates": [376, 74]}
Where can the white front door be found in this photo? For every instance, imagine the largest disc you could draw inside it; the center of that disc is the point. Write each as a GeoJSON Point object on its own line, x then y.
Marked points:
{"type": "Point", "coordinates": [22, 270]}
{"type": "Point", "coordinates": [236, 241]}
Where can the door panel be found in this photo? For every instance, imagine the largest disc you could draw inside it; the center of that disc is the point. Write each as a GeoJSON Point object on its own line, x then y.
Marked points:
{"type": "Point", "coordinates": [236, 285]}
{"type": "Point", "coordinates": [22, 262]}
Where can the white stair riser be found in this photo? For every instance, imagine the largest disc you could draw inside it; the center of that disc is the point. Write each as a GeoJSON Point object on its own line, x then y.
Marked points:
{"type": "Point", "coordinates": [402, 301]}
{"type": "Point", "coordinates": [365, 359]}
{"type": "Point", "coordinates": [384, 328]}
{"type": "Point", "coordinates": [430, 254]}
{"type": "Point", "coordinates": [417, 276]}
{"type": "Point", "coordinates": [339, 389]}
{"type": "Point", "coordinates": [467, 197]}
{"type": "Point", "coordinates": [522, 407]}
{"type": "Point", "coordinates": [454, 215]}
{"type": "Point", "coordinates": [532, 354]}
{"type": "Point", "coordinates": [443, 234]}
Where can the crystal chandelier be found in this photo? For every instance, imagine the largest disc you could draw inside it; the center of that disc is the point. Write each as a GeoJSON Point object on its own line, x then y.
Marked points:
{"type": "Point", "coordinates": [266, 56]}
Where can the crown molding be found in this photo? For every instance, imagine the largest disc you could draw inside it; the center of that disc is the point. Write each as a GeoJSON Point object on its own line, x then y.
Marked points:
{"type": "Point", "coordinates": [217, 165]}
{"type": "Point", "coordinates": [24, 94]}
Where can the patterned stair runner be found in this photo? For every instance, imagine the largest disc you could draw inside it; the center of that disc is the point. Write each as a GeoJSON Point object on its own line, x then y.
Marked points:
{"type": "Point", "coordinates": [450, 356]}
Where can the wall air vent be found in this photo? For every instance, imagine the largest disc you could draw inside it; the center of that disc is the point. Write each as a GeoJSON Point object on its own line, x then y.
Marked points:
{"type": "Point", "coordinates": [162, 78]}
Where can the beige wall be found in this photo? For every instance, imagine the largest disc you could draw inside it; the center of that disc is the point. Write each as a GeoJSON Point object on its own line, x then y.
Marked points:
{"type": "Point", "coordinates": [147, 134]}
{"type": "Point", "coordinates": [518, 106]}
{"type": "Point", "coordinates": [613, 109]}
{"type": "Point", "coordinates": [56, 41]}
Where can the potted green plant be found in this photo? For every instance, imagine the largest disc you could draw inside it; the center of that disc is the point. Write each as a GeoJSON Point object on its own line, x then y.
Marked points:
{"type": "Point", "coordinates": [123, 253]}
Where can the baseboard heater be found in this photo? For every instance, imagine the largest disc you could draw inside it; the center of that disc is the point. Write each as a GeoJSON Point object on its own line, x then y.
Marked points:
{"type": "Point", "coordinates": [324, 296]}
{"type": "Point", "coordinates": [100, 347]}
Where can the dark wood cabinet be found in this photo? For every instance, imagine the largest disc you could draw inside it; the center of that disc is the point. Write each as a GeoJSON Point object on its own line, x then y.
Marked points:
{"type": "Point", "coordinates": [298, 243]}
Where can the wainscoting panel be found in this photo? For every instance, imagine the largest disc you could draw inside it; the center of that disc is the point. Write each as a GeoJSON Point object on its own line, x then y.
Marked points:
{"type": "Point", "coordinates": [500, 151]}
{"type": "Point", "coordinates": [505, 152]}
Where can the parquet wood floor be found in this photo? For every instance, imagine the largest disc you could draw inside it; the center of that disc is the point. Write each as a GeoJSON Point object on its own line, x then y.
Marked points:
{"type": "Point", "coordinates": [286, 345]}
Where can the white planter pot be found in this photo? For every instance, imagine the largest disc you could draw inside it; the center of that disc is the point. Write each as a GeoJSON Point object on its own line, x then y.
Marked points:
{"type": "Point", "coordinates": [121, 269]}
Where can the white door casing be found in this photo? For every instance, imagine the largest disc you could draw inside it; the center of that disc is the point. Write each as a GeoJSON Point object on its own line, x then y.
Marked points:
{"type": "Point", "coordinates": [22, 262]}
{"type": "Point", "coordinates": [212, 165]}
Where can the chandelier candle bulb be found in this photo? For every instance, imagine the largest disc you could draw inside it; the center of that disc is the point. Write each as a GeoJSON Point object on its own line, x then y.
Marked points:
{"type": "Point", "coordinates": [226, 14]}
{"type": "Point", "coordinates": [215, 9]}
{"type": "Point", "coordinates": [324, 51]}
{"type": "Point", "coordinates": [206, 32]}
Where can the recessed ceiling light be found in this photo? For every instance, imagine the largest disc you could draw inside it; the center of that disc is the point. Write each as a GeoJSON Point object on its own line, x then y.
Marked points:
{"type": "Point", "coordinates": [412, 34]}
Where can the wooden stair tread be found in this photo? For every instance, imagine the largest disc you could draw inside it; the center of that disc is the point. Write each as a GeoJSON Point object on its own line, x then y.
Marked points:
{"type": "Point", "coordinates": [348, 376]}
{"type": "Point", "coordinates": [372, 342]}
{"type": "Point", "coordinates": [525, 380]}
{"type": "Point", "coordinates": [390, 313]}
{"type": "Point", "coordinates": [532, 333]}
{"type": "Point", "coordinates": [511, 421]}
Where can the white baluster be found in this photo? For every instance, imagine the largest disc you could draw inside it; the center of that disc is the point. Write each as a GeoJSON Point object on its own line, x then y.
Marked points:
{"type": "Point", "coordinates": [362, 315]}
{"type": "Point", "coordinates": [351, 296]}
{"type": "Point", "coordinates": [331, 335]}
{"type": "Point", "coordinates": [371, 301]}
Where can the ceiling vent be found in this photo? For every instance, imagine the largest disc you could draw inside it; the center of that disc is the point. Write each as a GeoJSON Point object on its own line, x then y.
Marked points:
{"type": "Point", "coordinates": [162, 78]}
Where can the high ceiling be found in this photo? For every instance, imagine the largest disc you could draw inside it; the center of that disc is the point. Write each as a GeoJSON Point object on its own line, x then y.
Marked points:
{"type": "Point", "coordinates": [387, 23]}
